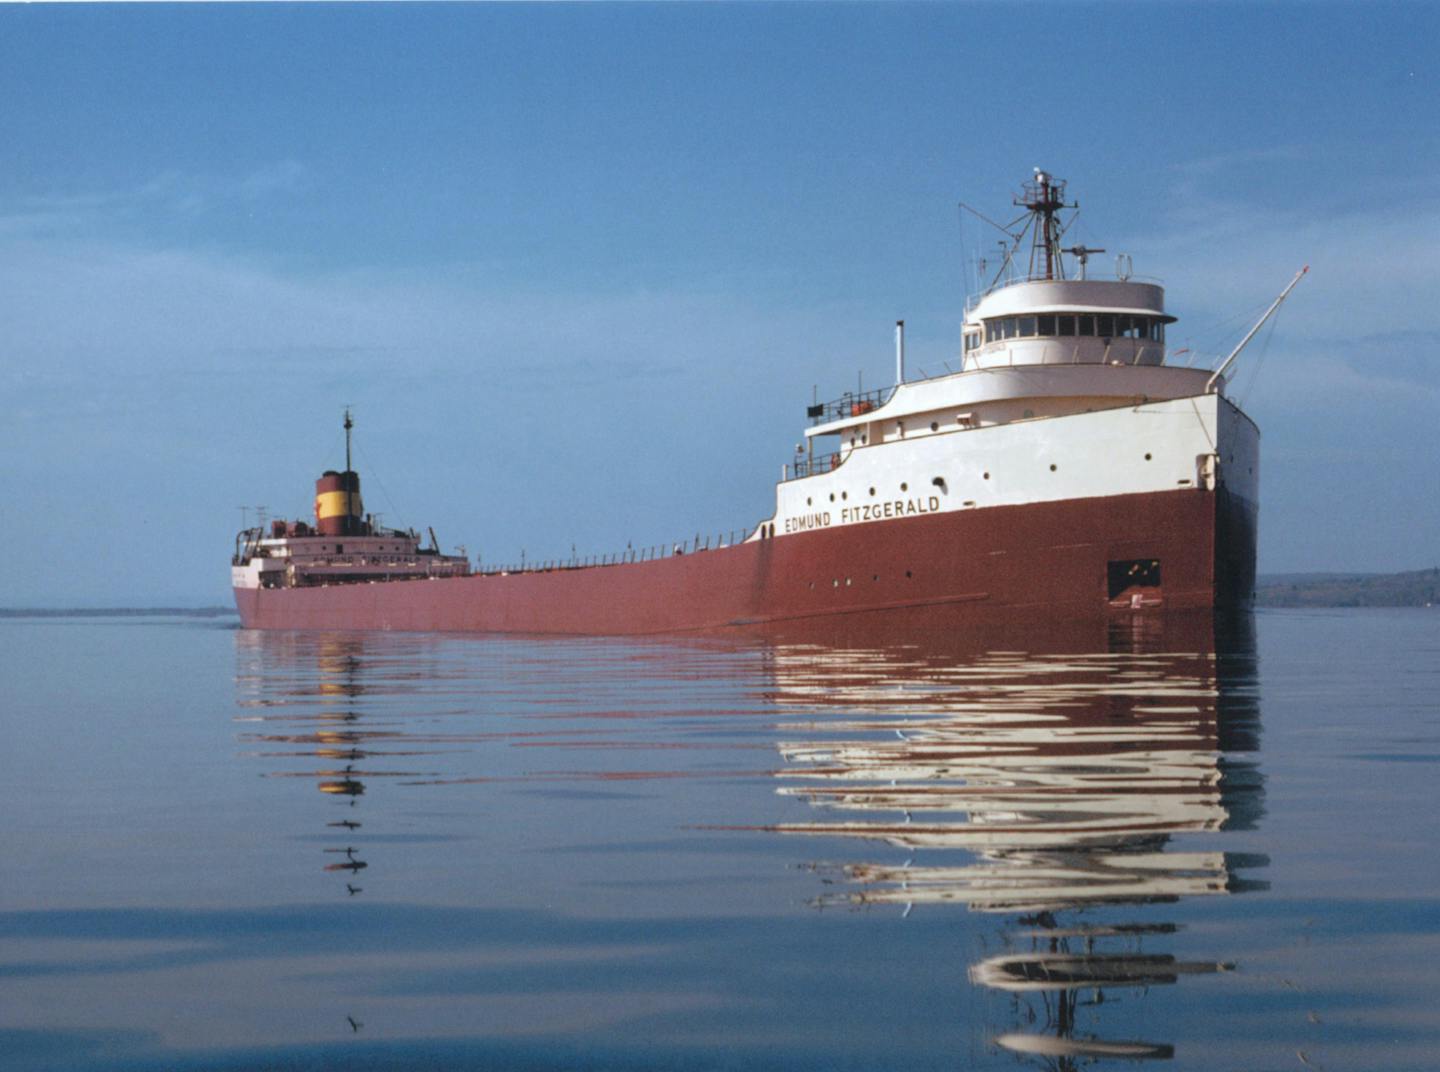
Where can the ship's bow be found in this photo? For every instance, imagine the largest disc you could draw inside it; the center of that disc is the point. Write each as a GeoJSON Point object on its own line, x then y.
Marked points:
{"type": "Point", "coordinates": [1237, 506]}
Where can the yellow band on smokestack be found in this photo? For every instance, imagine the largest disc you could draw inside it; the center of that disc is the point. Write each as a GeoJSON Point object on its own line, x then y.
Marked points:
{"type": "Point", "coordinates": [338, 504]}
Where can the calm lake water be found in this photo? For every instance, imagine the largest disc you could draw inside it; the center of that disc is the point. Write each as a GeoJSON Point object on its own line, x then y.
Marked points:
{"type": "Point", "coordinates": [888, 845]}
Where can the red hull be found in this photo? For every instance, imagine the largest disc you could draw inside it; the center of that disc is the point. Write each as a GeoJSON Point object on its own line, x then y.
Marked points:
{"type": "Point", "coordinates": [1049, 558]}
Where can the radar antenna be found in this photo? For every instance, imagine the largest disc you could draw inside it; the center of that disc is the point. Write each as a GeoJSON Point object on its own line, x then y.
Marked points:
{"type": "Point", "coordinates": [1082, 254]}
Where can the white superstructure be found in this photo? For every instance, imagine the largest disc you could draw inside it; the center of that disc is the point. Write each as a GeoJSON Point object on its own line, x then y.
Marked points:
{"type": "Point", "coordinates": [1063, 393]}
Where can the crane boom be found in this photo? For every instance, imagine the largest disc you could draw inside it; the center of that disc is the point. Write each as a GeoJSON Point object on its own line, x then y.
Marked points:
{"type": "Point", "coordinates": [1210, 383]}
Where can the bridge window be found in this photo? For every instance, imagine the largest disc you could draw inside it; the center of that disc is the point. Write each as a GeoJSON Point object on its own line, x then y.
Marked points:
{"type": "Point", "coordinates": [1105, 325]}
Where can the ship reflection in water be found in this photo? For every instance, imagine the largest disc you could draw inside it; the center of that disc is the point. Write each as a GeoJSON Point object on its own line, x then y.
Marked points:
{"type": "Point", "coordinates": [312, 694]}
{"type": "Point", "coordinates": [1059, 790]}
{"type": "Point", "coordinates": [1072, 783]}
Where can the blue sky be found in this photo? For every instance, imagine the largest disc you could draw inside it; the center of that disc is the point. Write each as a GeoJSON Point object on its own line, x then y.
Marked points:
{"type": "Point", "coordinates": [579, 268]}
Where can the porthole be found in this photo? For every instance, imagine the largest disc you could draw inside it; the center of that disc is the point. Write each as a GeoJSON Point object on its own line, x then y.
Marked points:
{"type": "Point", "coordinates": [809, 501]}
{"type": "Point", "coordinates": [864, 439]}
{"type": "Point", "coordinates": [847, 582]}
{"type": "Point", "coordinates": [908, 574]}
{"type": "Point", "coordinates": [1147, 457]}
{"type": "Point", "coordinates": [1052, 467]}
{"type": "Point", "coordinates": [872, 491]}
{"type": "Point", "coordinates": [987, 476]}
{"type": "Point", "coordinates": [832, 496]}
{"type": "Point", "coordinates": [812, 585]}
{"type": "Point", "coordinates": [875, 577]}
{"type": "Point", "coordinates": [835, 583]}
{"type": "Point", "coordinates": [844, 495]}
{"type": "Point", "coordinates": [934, 426]}
{"type": "Point", "coordinates": [904, 487]}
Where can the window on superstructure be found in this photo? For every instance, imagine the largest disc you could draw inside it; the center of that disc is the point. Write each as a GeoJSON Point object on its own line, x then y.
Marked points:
{"type": "Point", "coordinates": [1066, 325]}
{"type": "Point", "coordinates": [1157, 330]}
{"type": "Point", "coordinates": [1105, 326]}
{"type": "Point", "coordinates": [1045, 325]}
{"type": "Point", "coordinates": [1008, 325]}
{"type": "Point", "coordinates": [1085, 325]}
{"type": "Point", "coordinates": [1027, 327]}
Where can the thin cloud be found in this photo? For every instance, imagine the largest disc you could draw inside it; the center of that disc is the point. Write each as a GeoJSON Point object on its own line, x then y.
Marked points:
{"type": "Point", "coordinates": [282, 177]}
{"type": "Point", "coordinates": [168, 192]}
{"type": "Point", "coordinates": [124, 321]}
{"type": "Point", "coordinates": [1205, 167]}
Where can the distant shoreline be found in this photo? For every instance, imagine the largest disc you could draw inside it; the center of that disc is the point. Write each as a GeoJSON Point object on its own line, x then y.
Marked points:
{"type": "Point", "coordinates": [1414, 588]}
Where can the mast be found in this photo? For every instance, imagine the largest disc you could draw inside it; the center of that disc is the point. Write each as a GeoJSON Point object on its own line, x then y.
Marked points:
{"type": "Point", "coordinates": [1043, 197]}
{"type": "Point", "coordinates": [349, 477]}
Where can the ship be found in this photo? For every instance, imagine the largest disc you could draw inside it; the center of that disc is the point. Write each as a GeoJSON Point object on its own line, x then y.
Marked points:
{"type": "Point", "coordinates": [1066, 470]}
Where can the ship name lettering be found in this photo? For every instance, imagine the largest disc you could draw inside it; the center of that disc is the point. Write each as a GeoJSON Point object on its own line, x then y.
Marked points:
{"type": "Point", "coordinates": [894, 508]}
{"type": "Point", "coordinates": [807, 521]}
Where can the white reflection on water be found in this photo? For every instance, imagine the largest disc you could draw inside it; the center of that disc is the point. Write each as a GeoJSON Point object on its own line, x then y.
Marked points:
{"type": "Point", "coordinates": [1048, 787]}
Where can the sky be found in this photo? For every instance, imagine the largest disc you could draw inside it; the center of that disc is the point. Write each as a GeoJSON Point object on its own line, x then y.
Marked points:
{"type": "Point", "coordinates": [580, 268]}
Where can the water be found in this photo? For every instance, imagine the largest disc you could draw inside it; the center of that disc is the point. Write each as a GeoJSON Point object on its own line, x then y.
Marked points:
{"type": "Point", "coordinates": [876, 844]}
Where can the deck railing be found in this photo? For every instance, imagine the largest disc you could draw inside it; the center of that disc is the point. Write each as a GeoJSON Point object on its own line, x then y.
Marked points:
{"type": "Point", "coordinates": [697, 545]}
{"type": "Point", "coordinates": [850, 404]}
{"type": "Point", "coordinates": [804, 466]}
